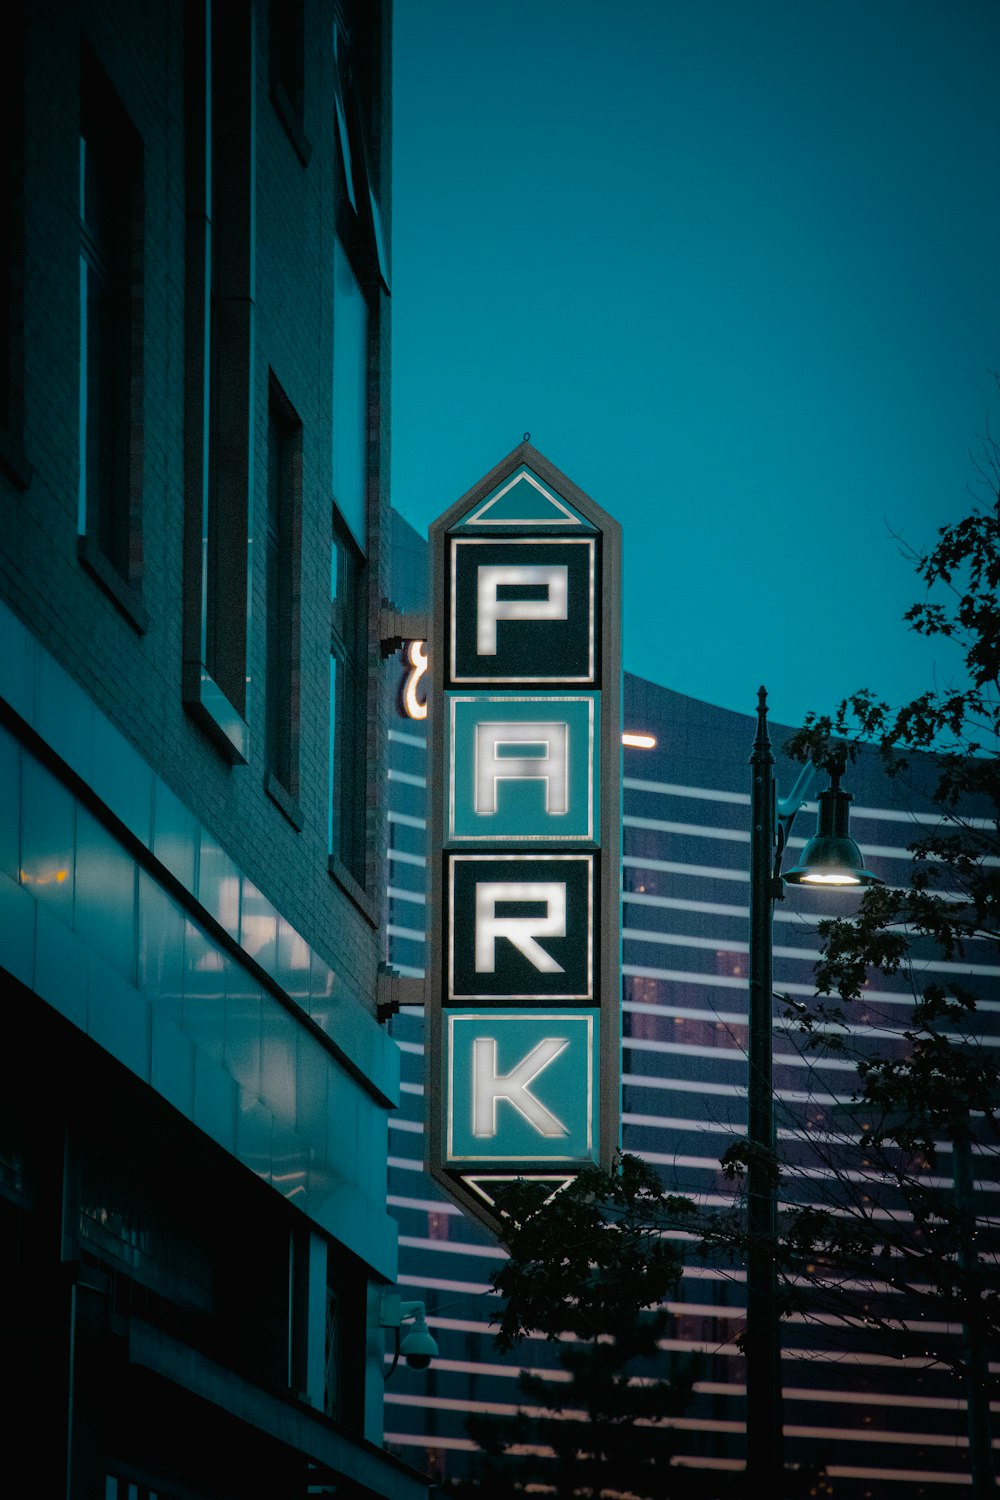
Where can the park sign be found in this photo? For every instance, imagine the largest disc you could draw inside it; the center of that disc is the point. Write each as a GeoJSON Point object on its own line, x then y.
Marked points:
{"type": "Point", "coordinates": [523, 988]}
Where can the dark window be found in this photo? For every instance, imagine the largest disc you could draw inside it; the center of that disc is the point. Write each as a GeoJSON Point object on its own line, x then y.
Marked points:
{"type": "Point", "coordinates": [287, 71]}
{"type": "Point", "coordinates": [284, 489]}
{"type": "Point", "coordinates": [344, 1396]}
{"type": "Point", "coordinates": [359, 277]}
{"type": "Point", "coordinates": [348, 697]}
{"type": "Point", "coordinates": [220, 322]}
{"type": "Point", "coordinates": [231, 344]}
{"type": "Point", "coordinates": [12, 456]}
{"type": "Point", "coordinates": [350, 395]}
{"type": "Point", "coordinates": [110, 201]}
{"type": "Point", "coordinates": [359, 220]}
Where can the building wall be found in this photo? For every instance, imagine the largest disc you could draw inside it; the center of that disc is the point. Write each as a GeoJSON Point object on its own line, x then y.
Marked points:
{"type": "Point", "coordinates": [882, 1425]}
{"type": "Point", "coordinates": [193, 1119]}
{"type": "Point", "coordinates": [134, 677]}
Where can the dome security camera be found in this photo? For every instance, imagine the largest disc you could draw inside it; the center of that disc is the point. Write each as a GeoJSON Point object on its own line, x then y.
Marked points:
{"type": "Point", "coordinates": [418, 1348]}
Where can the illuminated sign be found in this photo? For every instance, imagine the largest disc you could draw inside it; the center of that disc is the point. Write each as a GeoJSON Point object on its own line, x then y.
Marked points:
{"type": "Point", "coordinates": [522, 610]}
{"type": "Point", "coordinates": [414, 703]}
{"type": "Point", "coordinates": [520, 927]}
{"type": "Point", "coordinates": [521, 1087]}
{"type": "Point", "coordinates": [522, 768]}
{"type": "Point", "coordinates": [524, 978]}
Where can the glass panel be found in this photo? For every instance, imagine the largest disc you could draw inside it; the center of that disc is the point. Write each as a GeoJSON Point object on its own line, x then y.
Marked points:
{"type": "Point", "coordinates": [10, 804]}
{"type": "Point", "coordinates": [281, 570]}
{"type": "Point", "coordinates": [104, 334]}
{"type": "Point", "coordinates": [218, 883]}
{"type": "Point", "coordinates": [161, 948]}
{"type": "Point", "coordinates": [332, 788]}
{"type": "Point", "coordinates": [292, 968]}
{"type": "Point", "coordinates": [258, 926]}
{"type": "Point", "coordinates": [204, 992]}
{"type": "Point", "coordinates": [350, 395]}
{"type": "Point", "coordinates": [105, 913]}
{"type": "Point", "coordinates": [347, 701]}
{"type": "Point", "coordinates": [242, 1044]}
{"type": "Point", "coordinates": [312, 1075]}
{"type": "Point", "coordinates": [81, 504]}
{"type": "Point", "coordinates": [278, 1060]}
{"type": "Point", "coordinates": [47, 838]}
{"type": "Point", "coordinates": [340, 60]}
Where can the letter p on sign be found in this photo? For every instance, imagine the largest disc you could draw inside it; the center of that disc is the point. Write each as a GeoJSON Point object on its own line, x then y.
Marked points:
{"type": "Point", "coordinates": [490, 608]}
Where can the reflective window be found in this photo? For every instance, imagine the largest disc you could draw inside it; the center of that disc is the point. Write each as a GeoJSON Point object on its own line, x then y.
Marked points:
{"type": "Point", "coordinates": [219, 363]}
{"type": "Point", "coordinates": [284, 490]}
{"type": "Point", "coordinates": [12, 247]}
{"type": "Point", "coordinates": [105, 911]}
{"type": "Point", "coordinates": [10, 805]}
{"type": "Point", "coordinates": [350, 395]}
{"type": "Point", "coordinates": [48, 836]}
{"type": "Point", "coordinates": [161, 947]}
{"type": "Point", "coordinates": [287, 69]}
{"type": "Point", "coordinates": [110, 323]}
{"type": "Point", "coordinates": [348, 706]}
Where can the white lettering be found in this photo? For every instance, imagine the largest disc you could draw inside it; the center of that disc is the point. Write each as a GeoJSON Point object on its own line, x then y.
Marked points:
{"type": "Point", "coordinates": [521, 931]}
{"type": "Point", "coordinates": [488, 1088]}
{"type": "Point", "coordinates": [551, 767]}
{"type": "Point", "coordinates": [490, 609]}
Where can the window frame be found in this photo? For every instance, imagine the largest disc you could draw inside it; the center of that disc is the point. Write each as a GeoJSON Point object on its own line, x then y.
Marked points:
{"type": "Point", "coordinates": [109, 523]}
{"type": "Point", "coordinates": [283, 612]}
{"type": "Point", "coordinates": [220, 325]}
{"type": "Point", "coordinates": [14, 462]}
{"type": "Point", "coordinates": [348, 779]}
{"type": "Point", "coordinates": [352, 682]}
{"type": "Point", "coordinates": [286, 66]}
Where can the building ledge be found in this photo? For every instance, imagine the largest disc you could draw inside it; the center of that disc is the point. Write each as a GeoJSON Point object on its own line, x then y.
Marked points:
{"type": "Point", "coordinates": [377, 1474]}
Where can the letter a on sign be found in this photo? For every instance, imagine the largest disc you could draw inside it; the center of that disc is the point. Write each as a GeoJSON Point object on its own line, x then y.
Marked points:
{"type": "Point", "coordinates": [523, 767]}
{"type": "Point", "coordinates": [523, 981]}
{"type": "Point", "coordinates": [549, 764]}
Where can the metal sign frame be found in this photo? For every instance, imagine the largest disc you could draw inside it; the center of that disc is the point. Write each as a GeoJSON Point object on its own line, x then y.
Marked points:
{"type": "Point", "coordinates": [557, 511]}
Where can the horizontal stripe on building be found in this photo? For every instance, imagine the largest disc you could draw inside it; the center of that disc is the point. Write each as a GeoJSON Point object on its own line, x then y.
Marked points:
{"type": "Point", "coordinates": [731, 945]}
{"type": "Point", "coordinates": [742, 799]}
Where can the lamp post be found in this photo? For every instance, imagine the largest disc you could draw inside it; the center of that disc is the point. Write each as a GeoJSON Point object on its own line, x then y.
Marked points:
{"type": "Point", "coordinates": [830, 858]}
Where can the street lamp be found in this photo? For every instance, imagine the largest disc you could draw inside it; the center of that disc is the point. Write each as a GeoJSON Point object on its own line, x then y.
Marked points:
{"type": "Point", "coordinates": [831, 858]}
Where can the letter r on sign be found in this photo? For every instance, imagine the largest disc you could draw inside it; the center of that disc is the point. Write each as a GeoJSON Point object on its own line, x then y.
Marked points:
{"type": "Point", "coordinates": [521, 931]}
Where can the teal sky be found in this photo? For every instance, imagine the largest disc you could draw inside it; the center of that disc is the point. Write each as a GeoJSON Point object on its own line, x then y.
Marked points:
{"type": "Point", "coordinates": [734, 265]}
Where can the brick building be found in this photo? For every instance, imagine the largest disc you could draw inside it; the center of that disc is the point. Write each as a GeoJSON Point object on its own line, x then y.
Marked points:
{"type": "Point", "coordinates": [194, 422]}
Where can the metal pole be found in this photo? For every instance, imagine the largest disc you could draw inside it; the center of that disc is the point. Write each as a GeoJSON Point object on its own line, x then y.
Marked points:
{"type": "Point", "coordinates": [765, 1460]}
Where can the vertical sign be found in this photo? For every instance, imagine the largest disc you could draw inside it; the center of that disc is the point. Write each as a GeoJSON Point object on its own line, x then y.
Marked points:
{"type": "Point", "coordinates": [524, 982]}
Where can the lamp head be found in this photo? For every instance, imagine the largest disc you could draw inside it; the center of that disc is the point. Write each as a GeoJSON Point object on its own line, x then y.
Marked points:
{"type": "Point", "coordinates": [831, 857]}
